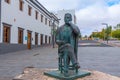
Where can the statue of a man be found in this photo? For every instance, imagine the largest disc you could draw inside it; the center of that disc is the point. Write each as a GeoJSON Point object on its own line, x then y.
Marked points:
{"type": "Point", "coordinates": [67, 38]}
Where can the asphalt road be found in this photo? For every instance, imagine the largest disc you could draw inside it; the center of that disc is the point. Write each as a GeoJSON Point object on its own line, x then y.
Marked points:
{"type": "Point", "coordinates": [91, 43]}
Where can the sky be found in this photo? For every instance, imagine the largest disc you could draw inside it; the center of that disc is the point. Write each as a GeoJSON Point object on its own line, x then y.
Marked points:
{"type": "Point", "coordinates": [90, 13]}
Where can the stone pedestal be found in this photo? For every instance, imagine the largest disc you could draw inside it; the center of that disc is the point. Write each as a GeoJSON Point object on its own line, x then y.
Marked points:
{"type": "Point", "coordinates": [38, 74]}
{"type": "Point", "coordinates": [72, 75]}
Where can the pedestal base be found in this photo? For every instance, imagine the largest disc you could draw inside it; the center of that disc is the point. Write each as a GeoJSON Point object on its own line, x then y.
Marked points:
{"type": "Point", "coordinates": [58, 75]}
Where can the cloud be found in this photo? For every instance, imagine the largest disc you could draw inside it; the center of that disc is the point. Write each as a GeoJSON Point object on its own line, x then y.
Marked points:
{"type": "Point", "coordinates": [91, 17]}
{"type": "Point", "coordinates": [90, 14]}
{"type": "Point", "coordinates": [59, 4]}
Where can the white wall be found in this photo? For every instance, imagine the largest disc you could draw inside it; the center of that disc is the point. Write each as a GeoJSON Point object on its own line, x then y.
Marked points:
{"type": "Point", "coordinates": [0, 21]}
{"type": "Point", "coordinates": [13, 16]}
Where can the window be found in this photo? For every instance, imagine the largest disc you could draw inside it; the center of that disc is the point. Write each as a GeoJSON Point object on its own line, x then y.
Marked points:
{"type": "Point", "coordinates": [41, 18]}
{"type": "Point", "coordinates": [49, 23]}
{"type": "Point", "coordinates": [20, 35]}
{"type": "Point", "coordinates": [7, 1]}
{"type": "Point", "coordinates": [6, 34]}
{"type": "Point", "coordinates": [36, 38]}
{"type": "Point", "coordinates": [36, 15]}
{"type": "Point", "coordinates": [29, 10]}
{"type": "Point", "coordinates": [21, 5]}
{"type": "Point", "coordinates": [45, 21]}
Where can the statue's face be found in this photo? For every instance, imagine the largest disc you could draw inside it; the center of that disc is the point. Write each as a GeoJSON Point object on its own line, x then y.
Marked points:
{"type": "Point", "coordinates": [67, 18]}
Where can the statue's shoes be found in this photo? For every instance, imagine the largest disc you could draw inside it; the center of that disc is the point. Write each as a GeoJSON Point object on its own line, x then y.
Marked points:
{"type": "Point", "coordinates": [77, 66]}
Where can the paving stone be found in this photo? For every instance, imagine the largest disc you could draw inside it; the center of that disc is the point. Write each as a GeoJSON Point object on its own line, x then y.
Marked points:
{"type": "Point", "coordinates": [38, 74]}
{"type": "Point", "coordinates": [104, 59]}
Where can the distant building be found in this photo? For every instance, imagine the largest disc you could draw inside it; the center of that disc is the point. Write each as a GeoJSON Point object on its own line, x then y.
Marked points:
{"type": "Point", "coordinates": [60, 14]}
{"type": "Point", "coordinates": [25, 24]}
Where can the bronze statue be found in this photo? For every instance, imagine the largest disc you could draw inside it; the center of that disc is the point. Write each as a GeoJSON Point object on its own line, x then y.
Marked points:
{"type": "Point", "coordinates": [67, 39]}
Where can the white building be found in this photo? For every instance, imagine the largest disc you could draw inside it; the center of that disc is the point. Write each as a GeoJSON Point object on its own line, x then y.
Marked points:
{"type": "Point", "coordinates": [60, 14]}
{"type": "Point", "coordinates": [25, 22]}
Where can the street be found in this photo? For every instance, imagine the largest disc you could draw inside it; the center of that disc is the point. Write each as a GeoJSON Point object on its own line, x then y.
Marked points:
{"type": "Point", "coordinates": [91, 54]}
{"type": "Point", "coordinates": [91, 43]}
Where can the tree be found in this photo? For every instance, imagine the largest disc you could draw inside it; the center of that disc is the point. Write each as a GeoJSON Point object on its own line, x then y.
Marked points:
{"type": "Point", "coordinates": [116, 32]}
{"type": "Point", "coordinates": [117, 26]}
{"type": "Point", "coordinates": [104, 34]}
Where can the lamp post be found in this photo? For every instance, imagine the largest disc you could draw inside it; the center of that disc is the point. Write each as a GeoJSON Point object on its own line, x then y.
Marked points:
{"type": "Point", "coordinates": [106, 31]}
{"type": "Point", "coordinates": [53, 36]}
{"type": "Point", "coordinates": [96, 34]}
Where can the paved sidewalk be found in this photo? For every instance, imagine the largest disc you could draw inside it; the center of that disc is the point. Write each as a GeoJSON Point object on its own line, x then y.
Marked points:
{"type": "Point", "coordinates": [104, 59]}
{"type": "Point", "coordinates": [38, 74]}
{"type": "Point", "coordinates": [115, 43]}
{"type": "Point", "coordinates": [12, 64]}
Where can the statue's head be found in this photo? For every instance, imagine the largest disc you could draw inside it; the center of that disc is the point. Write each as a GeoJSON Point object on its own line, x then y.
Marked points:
{"type": "Point", "coordinates": [67, 18]}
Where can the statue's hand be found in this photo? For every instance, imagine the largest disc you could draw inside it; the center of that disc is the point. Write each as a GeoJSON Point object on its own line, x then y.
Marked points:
{"type": "Point", "coordinates": [75, 29]}
{"type": "Point", "coordinates": [67, 45]}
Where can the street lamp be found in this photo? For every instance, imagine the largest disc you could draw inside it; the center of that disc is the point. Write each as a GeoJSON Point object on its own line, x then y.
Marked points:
{"type": "Point", "coordinates": [53, 28]}
{"type": "Point", "coordinates": [106, 31]}
{"type": "Point", "coordinates": [95, 34]}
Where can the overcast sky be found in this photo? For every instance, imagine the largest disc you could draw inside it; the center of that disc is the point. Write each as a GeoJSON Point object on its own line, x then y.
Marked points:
{"type": "Point", "coordinates": [90, 13]}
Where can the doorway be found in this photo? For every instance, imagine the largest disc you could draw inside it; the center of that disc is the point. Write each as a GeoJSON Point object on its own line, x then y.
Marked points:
{"type": "Point", "coordinates": [36, 38]}
{"type": "Point", "coordinates": [6, 34]}
{"type": "Point", "coordinates": [20, 35]}
{"type": "Point", "coordinates": [41, 38]}
{"type": "Point", "coordinates": [46, 39]}
{"type": "Point", "coordinates": [29, 40]}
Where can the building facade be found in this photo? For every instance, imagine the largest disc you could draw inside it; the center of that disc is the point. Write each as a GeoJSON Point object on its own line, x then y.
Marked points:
{"type": "Point", "coordinates": [60, 14]}
{"type": "Point", "coordinates": [25, 23]}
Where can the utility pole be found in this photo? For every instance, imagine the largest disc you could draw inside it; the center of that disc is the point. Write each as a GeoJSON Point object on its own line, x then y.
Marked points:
{"type": "Point", "coordinates": [106, 31]}
{"type": "Point", "coordinates": [104, 34]}
{"type": "Point", "coordinates": [53, 36]}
